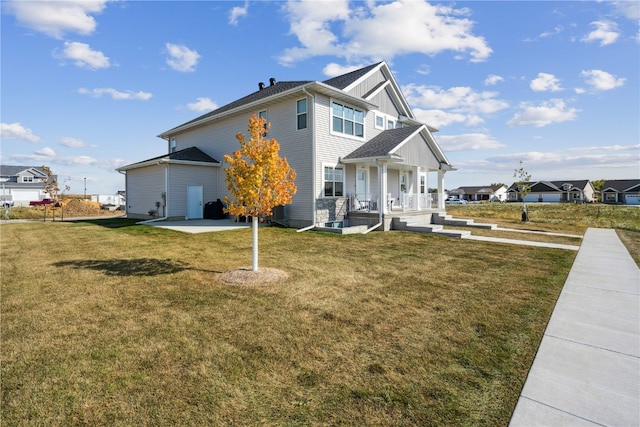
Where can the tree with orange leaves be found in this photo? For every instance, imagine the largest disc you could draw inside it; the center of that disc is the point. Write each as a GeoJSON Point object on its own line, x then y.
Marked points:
{"type": "Point", "coordinates": [257, 178]}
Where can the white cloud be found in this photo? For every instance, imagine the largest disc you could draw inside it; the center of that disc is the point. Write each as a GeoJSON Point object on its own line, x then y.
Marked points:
{"type": "Point", "coordinates": [549, 112]}
{"type": "Point", "coordinates": [68, 141]}
{"type": "Point", "coordinates": [439, 107]}
{"type": "Point", "coordinates": [492, 80]}
{"type": "Point", "coordinates": [557, 30]}
{"type": "Point", "coordinates": [333, 69]}
{"type": "Point", "coordinates": [46, 152]}
{"type": "Point", "coordinates": [202, 104]}
{"type": "Point", "coordinates": [83, 56]}
{"type": "Point", "coordinates": [359, 33]}
{"type": "Point", "coordinates": [238, 12]}
{"type": "Point", "coordinates": [55, 18]}
{"type": "Point", "coordinates": [601, 80]}
{"type": "Point", "coordinates": [606, 32]}
{"type": "Point", "coordinates": [17, 131]}
{"type": "Point", "coordinates": [181, 58]}
{"type": "Point", "coordinates": [469, 141]}
{"type": "Point", "coordinates": [545, 83]}
{"type": "Point", "coordinates": [628, 9]}
{"type": "Point", "coordinates": [116, 94]}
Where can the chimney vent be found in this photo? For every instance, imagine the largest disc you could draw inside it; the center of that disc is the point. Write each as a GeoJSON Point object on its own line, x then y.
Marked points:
{"type": "Point", "coordinates": [261, 85]}
{"type": "Point", "coordinates": [272, 81]}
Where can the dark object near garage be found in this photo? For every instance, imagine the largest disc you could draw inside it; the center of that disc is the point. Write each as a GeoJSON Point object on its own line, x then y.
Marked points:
{"type": "Point", "coordinates": [214, 210]}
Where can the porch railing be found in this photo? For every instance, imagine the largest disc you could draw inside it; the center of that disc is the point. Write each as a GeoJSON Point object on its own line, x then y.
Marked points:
{"type": "Point", "coordinates": [363, 203]}
{"type": "Point", "coordinates": [416, 202]}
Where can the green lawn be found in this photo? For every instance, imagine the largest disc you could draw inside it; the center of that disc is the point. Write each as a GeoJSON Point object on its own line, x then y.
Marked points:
{"type": "Point", "coordinates": [111, 323]}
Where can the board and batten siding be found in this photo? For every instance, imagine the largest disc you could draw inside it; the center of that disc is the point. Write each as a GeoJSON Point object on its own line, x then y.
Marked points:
{"type": "Point", "coordinates": [144, 188]}
{"type": "Point", "coordinates": [295, 145]}
{"type": "Point", "coordinates": [416, 152]}
{"type": "Point", "coordinates": [385, 104]}
{"type": "Point", "coordinates": [367, 85]}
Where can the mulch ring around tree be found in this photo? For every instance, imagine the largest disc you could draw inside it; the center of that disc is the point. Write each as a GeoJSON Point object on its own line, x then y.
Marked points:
{"type": "Point", "coordinates": [245, 276]}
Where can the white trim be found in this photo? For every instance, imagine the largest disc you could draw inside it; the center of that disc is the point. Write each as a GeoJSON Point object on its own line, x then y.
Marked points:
{"type": "Point", "coordinates": [343, 134]}
{"type": "Point", "coordinates": [334, 166]}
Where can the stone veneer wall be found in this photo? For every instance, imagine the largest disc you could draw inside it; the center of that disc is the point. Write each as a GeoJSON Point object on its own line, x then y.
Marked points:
{"type": "Point", "coordinates": [334, 209]}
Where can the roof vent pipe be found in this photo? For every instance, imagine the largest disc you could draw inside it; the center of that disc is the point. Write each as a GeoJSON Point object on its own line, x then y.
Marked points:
{"type": "Point", "coordinates": [272, 81]}
{"type": "Point", "coordinates": [261, 85]}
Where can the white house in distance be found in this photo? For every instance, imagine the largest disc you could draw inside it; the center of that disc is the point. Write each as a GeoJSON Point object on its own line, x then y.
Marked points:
{"type": "Point", "coordinates": [489, 193]}
{"type": "Point", "coordinates": [357, 148]}
{"type": "Point", "coordinates": [580, 191]}
{"type": "Point", "coordinates": [22, 184]}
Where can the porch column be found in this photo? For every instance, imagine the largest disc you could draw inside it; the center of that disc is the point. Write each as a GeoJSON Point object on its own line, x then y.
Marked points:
{"type": "Point", "coordinates": [415, 191]}
{"type": "Point", "coordinates": [382, 184]}
{"type": "Point", "coordinates": [441, 189]}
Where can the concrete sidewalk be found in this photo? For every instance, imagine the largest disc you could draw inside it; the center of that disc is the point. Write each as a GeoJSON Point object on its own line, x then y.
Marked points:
{"type": "Point", "coordinates": [587, 369]}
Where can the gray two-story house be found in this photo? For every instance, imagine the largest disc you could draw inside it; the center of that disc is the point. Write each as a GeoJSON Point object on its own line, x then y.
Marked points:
{"type": "Point", "coordinates": [356, 146]}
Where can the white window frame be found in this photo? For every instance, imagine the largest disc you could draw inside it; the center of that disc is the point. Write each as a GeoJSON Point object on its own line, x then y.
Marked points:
{"type": "Point", "coordinates": [381, 117]}
{"type": "Point", "coordinates": [305, 113]}
{"type": "Point", "coordinates": [342, 133]}
{"type": "Point", "coordinates": [28, 179]}
{"type": "Point", "coordinates": [173, 145]}
{"type": "Point", "coordinates": [333, 168]}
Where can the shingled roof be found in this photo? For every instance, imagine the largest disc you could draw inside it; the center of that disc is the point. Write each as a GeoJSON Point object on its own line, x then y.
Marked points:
{"type": "Point", "coordinates": [383, 143]}
{"type": "Point", "coordinates": [621, 185]}
{"type": "Point", "coordinates": [341, 82]}
{"type": "Point", "coordinates": [191, 154]}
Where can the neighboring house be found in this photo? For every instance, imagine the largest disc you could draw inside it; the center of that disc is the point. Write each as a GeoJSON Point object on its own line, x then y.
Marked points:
{"type": "Point", "coordinates": [555, 191]}
{"type": "Point", "coordinates": [621, 191]}
{"type": "Point", "coordinates": [492, 193]}
{"type": "Point", "coordinates": [22, 184]}
{"type": "Point", "coordinates": [357, 148]}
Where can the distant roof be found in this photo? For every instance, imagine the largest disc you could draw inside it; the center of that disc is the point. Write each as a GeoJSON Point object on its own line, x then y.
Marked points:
{"type": "Point", "coordinates": [621, 185]}
{"type": "Point", "coordinates": [191, 154]}
{"type": "Point", "coordinates": [477, 189]}
{"type": "Point", "coordinates": [383, 143]}
{"type": "Point", "coordinates": [10, 170]}
{"type": "Point", "coordinates": [540, 186]}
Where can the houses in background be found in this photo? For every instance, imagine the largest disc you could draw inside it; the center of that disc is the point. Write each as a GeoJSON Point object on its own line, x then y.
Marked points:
{"type": "Point", "coordinates": [22, 184]}
{"type": "Point", "coordinates": [620, 191]}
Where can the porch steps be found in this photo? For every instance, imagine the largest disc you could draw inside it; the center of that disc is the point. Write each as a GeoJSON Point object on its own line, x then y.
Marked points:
{"type": "Point", "coordinates": [444, 219]}
{"type": "Point", "coordinates": [416, 224]}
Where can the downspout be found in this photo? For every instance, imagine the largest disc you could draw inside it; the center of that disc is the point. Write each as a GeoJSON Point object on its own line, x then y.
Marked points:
{"type": "Point", "coordinates": [313, 159]}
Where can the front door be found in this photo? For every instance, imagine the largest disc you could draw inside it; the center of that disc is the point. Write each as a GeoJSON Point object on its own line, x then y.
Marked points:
{"type": "Point", "coordinates": [194, 202]}
{"type": "Point", "coordinates": [361, 184]}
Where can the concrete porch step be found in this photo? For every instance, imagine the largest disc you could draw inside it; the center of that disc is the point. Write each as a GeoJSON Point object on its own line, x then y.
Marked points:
{"type": "Point", "coordinates": [461, 222]}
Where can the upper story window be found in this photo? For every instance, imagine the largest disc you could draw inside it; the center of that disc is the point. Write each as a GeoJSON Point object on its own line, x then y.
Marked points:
{"type": "Point", "coordinates": [333, 181]}
{"type": "Point", "coordinates": [347, 120]}
{"type": "Point", "coordinates": [263, 114]}
{"type": "Point", "coordinates": [173, 144]}
{"type": "Point", "coordinates": [301, 111]}
{"type": "Point", "coordinates": [27, 179]}
{"type": "Point", "coordinates": [391, 124]}
{"type": "Point", "coordinates": [379, 122]}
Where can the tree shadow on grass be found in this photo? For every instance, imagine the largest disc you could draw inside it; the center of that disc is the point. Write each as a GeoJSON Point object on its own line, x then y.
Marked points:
{"type": "Point", "coordinates": [115, 222]}
{"type": "Point", "coordinates": [130, 267]}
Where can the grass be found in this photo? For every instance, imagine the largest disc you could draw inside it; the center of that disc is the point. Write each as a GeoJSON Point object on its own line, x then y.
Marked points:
{"type": "Point", "coordinates": [108, 322]}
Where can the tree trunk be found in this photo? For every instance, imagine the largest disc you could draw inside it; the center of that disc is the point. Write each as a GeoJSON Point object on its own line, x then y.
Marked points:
{"type": "Point", "coordinates": [254, 233]}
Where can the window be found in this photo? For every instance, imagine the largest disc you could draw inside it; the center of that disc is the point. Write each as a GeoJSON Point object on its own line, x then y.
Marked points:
{"type": "Point", "coordinates": [347, 120]}
{"type": "Point", "coordinates": [379, 122]}
{"type": "Point", "coordinates": [301, 111]}
{"type": "Point", "coordinates": [390, 124]}
{"type": "Point", "coordinates": [423, 184]}
{"type": "Point", "coordinates": [333, 181]}
{"type": "Point", "coordinates": [173, 145]}
{"type": "Point", "coordinates": [27, 179]}
{"type": "Point", "coordinates": [263, 114]}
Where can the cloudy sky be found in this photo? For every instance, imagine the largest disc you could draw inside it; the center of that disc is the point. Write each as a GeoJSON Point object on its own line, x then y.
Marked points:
{"type": "Point", "coordinates": [86, 86]}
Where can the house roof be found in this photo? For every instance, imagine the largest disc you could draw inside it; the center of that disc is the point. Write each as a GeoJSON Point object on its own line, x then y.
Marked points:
{"type": "Point", "coordinates": [550, 186]}
{"type": "Point", "coordinates": [343, 81]}
{"type": "Point", "coordinates": [621, 185]}
{"type": "Point", "coordinates": [488, 189]}
{"type": "Point", "coordinates": [383, 144]}
{"type": "Point", "coordinates": [9, 170]}
{"type": "Point", "coordinates": [188, 155]}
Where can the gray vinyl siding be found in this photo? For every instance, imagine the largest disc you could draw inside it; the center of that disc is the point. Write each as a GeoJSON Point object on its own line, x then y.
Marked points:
{"type": "Point", "coordinates": [144, 188]}
{"type": "Point", "coordinates": [416, 152]}
{"type": "Point", "coordinates": [295, 146]}
{"type": "Point", "coordinates": [181, 176]}
{"type": "Point", "coordinates": [385, 104]}
{"type": "Point", "coordinates": [368, 85]}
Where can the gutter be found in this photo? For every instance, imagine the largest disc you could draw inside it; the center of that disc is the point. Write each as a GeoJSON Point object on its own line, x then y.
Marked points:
{"type": "Point", "coordinates": [372, 228]}
{"type": "Point", "coordinates": [313, 160]}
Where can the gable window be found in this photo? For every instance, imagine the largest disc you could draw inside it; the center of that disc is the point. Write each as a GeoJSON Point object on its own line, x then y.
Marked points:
{"type": "Point", "coordinates": [379, 122]}
{"type": "Point", "coordinates": [27, 179]}
{"type": "Point", "coordinates": [390, 124]}
{"type": "Point", "coordinates": [301, 111]}
{"type": "Point", "coordinates": [347, 120]}
{"type": "Point", "coordinates": [333, 181]}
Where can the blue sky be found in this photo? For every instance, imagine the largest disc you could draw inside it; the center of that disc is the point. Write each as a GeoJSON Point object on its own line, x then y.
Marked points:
{"type": "Point", "coordinates": [86, 86]}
